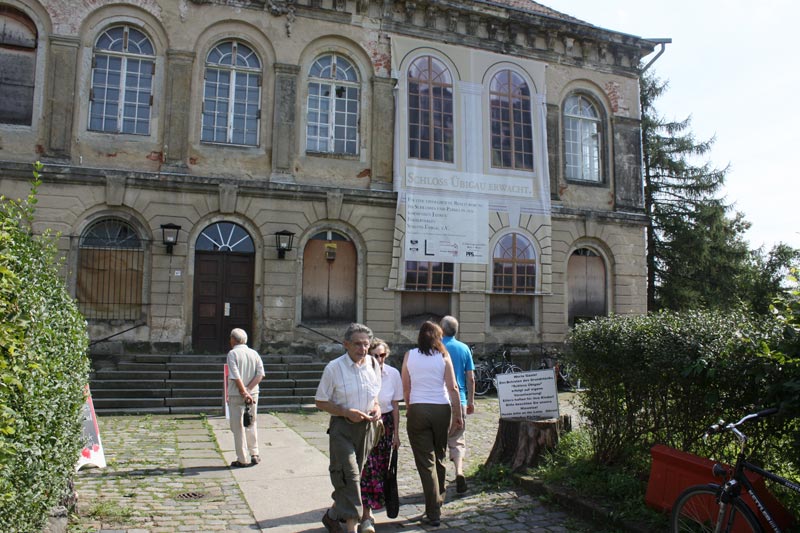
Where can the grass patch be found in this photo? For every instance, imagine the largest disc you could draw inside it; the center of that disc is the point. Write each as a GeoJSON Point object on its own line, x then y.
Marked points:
{"type": "Point", "coordinates": [110, 511]}
{"type": "Point", "coordinates": [620, 488]}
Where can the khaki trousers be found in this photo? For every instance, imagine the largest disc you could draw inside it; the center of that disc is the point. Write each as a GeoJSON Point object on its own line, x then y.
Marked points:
{"type": "Point", "coordinates": [427, 426]}
{"type": "Point", "coordinates": [349, 446]}
{"type": "Point", "coordinates": [241, 434]}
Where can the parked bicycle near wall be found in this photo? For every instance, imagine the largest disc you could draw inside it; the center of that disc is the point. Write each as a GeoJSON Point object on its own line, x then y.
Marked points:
{"type": "Point", "coordinates": [720, 507]}
{"type": "Point", "coordinates": [563, 373]}
{"type": "Point", "coordinates": [486, 372]}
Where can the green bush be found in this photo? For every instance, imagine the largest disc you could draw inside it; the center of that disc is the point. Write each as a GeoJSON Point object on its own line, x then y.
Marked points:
{"type": "Point", "coordinates": [664, 378]}
{"type": "Point", "coordinates": [43, 370]}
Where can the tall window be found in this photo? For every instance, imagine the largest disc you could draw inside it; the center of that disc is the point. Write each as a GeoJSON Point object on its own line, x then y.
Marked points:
{"type": "Point", "coordinates": [430, 110]}
{"type": "Point", "coordinates": [18, 38]}
{"type": "Point", "coordinates": [110, 271]}
{"type": "Point", "coordinates": [582, 139]}
{"type": "Point", "coordinates": [514, 265]}
{"type": "Point", "coordinates": [512, 130]}
{"type": "Point", "coordinates": [232, 95]}
{"type": "Point", "coordinates": [121, 96]}
{"type": "Point", "coordinates": [333, 95]}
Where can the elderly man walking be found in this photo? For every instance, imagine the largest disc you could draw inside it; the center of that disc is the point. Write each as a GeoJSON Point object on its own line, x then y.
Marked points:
{"type": "Point", "coordinates": [464, 368]}
{"type": "Point", "coordinates": [348, 391]}
{"type": "Point", "coordinates": [245, 372]}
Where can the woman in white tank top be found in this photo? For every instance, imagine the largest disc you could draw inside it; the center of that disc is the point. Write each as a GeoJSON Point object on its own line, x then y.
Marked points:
{"type": "Point", "coordinates": [433, 409]}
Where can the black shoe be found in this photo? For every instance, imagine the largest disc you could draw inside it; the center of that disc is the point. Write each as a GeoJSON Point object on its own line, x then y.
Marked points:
{"type": "Point", "coordinates": [255, 459]}
{"type": "Point", "coordinates": [461, 484]}
{"type": "Point", "coordinates": [333, 526]}
{"type": "Point", "coordinates": [435, 522]}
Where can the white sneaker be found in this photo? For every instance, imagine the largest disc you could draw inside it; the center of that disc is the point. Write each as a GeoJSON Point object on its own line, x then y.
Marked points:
{"type": "Point", "coordinates": [367, 526]}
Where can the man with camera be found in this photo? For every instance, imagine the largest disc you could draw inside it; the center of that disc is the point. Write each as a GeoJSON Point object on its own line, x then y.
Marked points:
{"type": "Point", "coordinates": [244, 366]}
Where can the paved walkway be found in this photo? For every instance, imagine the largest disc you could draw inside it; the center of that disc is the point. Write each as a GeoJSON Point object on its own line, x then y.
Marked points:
{"type": "Point", "coordinates": [169, 473]}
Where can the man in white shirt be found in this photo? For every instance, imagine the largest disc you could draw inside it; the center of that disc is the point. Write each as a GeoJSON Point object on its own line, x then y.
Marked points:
{"type": "Point", "coordinates": [349, 391]}
{"type": "Point", "coordinates": [245, 372]}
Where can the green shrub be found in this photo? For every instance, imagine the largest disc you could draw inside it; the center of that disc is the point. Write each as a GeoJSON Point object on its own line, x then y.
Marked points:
{"type": "Point", "coordinates": [43, 370]}
{"type": "Point", "coordinates": [664, 378]}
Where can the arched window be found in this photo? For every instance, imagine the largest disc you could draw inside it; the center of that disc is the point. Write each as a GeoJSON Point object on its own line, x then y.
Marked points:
{"type": "Point", "coordinates": [514, 265]}
{"type": "Point", "coordinates": [110, 271]}
{"type": "Point", "coordinates": [512, 129]}
{"type": "Point", "coordinates": [586, 281]}
{"type": "Point", "coordinates": [514, 282]}
{"type": "Point", "coordinates": [18, 38]}
{"type": "Point", "coordinates": [225, 237]}
{"type": "Point", "coordinates": [333, 96]}
{"type": "Point", "coordinates": [582, 139]}
{"type": "Point", "coordinates": [430, 110]}
{"type": "Point", "coordinates": [121, 96]}
{"type": "Point", "coordinates": [232, 95]}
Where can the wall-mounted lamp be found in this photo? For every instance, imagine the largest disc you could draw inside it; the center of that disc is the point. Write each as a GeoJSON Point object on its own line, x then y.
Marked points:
{"type": "Point", "coordinates": [169, 235]}
{"type": "Point", "coordinates": [283, 242]}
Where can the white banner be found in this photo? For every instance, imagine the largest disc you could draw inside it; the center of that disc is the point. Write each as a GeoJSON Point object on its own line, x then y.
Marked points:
{"type": "Point", "coordinates": [451, 181]}
{"type": "Point", "coordinates": [447, 230]}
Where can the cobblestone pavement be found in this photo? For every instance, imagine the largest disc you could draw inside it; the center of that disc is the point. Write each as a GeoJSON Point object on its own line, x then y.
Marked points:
{"type": "Point", "coordinates": [167, 473]}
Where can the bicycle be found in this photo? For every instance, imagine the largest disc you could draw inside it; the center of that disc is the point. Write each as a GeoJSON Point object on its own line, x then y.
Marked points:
{"type": "Point", "coordinates": [563, 373]}
{"type": "Point", "coordinates": [720, 507]}
{"type": "Point", "coordinates": [486, 372]}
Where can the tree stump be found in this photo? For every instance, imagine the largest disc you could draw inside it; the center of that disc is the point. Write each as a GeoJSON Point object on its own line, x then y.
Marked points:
{"type": "Point", "coordinates": [519, 443]}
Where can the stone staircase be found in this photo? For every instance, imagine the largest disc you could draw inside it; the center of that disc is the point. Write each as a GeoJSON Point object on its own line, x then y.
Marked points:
{"type": "Point", "coordinates": [182, 384]}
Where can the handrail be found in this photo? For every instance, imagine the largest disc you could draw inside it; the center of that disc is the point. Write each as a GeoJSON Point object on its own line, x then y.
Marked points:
{"type": "Point", "coordinates": [319, 333]}
{"type": "Point", "coordinates": [140, 324]}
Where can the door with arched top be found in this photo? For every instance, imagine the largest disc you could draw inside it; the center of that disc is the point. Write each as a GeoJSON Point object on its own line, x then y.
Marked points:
{"type": "Point", "coordinates": [586, 274]}
{"type": "Point", "coordinates": [223, 286]}
{"type": "Point", "coordinates": [329, 279]}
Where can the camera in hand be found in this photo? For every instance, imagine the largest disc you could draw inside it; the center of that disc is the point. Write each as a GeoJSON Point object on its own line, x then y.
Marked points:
{"type": "Point", "coordinates": [247, 418]}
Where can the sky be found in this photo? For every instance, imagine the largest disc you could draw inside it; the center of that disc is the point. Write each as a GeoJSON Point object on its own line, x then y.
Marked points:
{"type": "Point", "coordinates": [732, 66]}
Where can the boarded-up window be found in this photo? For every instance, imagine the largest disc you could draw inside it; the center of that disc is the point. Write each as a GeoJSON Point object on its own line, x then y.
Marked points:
{"type": "Point", "coordinates": [587, 286]}
{"type": "Point", "coordinates": [434, 281]}
{"type": "Point", "coordinates": [110, 272]}
{"type": "Point", "coordinates": [18, 38]}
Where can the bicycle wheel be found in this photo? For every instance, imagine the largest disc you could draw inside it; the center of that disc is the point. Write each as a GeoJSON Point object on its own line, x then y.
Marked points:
{"type": "Point", "coordinates": [483, 381]}
{"type": "Point", "coordinates": [510, 368]}
{"type": "Point", "coordinates": [697, 510]}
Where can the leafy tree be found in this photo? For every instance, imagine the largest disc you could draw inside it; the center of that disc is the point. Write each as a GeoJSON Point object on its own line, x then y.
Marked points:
{"type": "Point", "coordinates": [693, 250]}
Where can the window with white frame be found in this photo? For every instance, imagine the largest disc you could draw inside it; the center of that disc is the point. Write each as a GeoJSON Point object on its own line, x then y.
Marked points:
{"type": "Point", "coordinates": [121, 96]}
{"type": "Point", "coordinates": [232, 95]}
{"type": "Point", "coordinates": [333, 106]}
{"type": "Point", "coordinates": [582, 139]}
{"type": "Point", "coordinates": [511, 124]}
{"type": "Point", "coordinates": [430, 110]}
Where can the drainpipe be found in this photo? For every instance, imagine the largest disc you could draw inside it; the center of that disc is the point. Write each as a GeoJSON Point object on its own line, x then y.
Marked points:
{"type": "Point", "coordinates": [663, 42]}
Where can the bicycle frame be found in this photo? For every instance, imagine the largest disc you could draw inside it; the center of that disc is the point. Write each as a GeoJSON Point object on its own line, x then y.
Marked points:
{"type": "Point", "coordinates": [731, 488]}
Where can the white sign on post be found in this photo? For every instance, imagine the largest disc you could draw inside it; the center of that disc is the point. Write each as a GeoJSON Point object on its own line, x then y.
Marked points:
{"type": "Point", "coordinates": [529, 395]}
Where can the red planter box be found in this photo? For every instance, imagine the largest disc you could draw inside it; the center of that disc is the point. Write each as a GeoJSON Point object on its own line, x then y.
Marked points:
{"type": "Point", "coordinates": [672, 471]}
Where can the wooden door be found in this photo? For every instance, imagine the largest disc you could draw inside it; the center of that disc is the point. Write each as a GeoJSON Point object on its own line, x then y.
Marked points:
{"type": "Point", "coordinates": [329, 286]}
{"type": "Point", "coordinates": [586, 276]}
{"type": "Point", "coordinates": [223, 298]}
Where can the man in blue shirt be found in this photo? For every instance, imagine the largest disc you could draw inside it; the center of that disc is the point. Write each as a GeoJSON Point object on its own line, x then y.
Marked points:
{"type": "Point", "coordinates": [464, 367]}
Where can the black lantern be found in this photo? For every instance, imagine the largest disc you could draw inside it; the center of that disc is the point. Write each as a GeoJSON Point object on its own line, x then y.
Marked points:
{"type": "Point", "coordinates": [169, 235]}
{"type": "Point", "coordinates": [283, 242]}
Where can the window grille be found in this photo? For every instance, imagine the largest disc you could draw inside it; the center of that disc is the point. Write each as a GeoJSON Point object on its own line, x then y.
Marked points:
{"type": "Point", "coordinates": [110, 272]}
{"type": "Point", "coordinates": [514, 265]}
{"type": "Point", "coordinates": [582, 128]}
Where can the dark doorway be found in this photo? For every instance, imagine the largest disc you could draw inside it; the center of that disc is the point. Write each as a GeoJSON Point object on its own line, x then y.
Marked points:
{"type": "Point", "coordinates": [223, 287]}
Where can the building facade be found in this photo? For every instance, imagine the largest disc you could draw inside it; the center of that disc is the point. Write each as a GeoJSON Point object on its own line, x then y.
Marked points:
{"type": "Point", "coordinates": [421, 158]}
